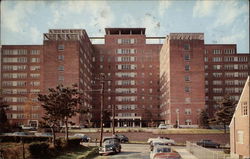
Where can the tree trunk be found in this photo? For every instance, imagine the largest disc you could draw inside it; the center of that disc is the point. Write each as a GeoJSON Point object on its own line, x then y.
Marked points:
{"type": "Point", "coordinates": [225, 129]}
{"type": "Point", "coordinates": [66, 131]}
{"type": "Point", "coordinates": [53, 136]}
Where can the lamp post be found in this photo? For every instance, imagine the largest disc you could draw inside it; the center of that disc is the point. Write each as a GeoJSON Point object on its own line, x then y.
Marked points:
{"type": "Point", "coordinates": [113, 119]}
{"type": "Point", "coordinates": [102, 101]}
{"type": "Point", "coordinates": [178, 118]}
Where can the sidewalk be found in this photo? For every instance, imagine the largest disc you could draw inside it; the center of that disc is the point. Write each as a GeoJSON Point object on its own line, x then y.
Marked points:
{"type": "Point", "coordinates": [185, 154]}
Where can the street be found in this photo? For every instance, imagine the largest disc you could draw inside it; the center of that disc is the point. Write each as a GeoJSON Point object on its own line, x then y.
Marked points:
{"type": "Point", "coordinates": [130, 151]}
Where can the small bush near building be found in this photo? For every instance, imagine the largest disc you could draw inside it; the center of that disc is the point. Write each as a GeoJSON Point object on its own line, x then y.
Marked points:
{"type": "Point", "coordinates": [75, 142]}
{"type": "Point", "coordinates": [39, 149]}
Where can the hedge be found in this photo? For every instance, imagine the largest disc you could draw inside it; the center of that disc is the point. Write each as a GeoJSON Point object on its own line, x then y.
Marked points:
{"type": "Point", "coordinates": [39, 149]}
{"type": "Point", "coordinates": [26, 139]}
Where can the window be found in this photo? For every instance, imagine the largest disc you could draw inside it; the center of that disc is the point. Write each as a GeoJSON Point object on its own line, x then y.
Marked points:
{"type": "Point", "coordinates": [187, 89]}
{"type": "Point", "coordinates": [101, 58]}
{"type": "Point", "coordinates": [216, 67]}
{"type": "Point", "coordinates": [229, 59]}
{"type": "Point", "coordinates": [217, 59]}
{"type": "Point", "coordinates": [188, 111]}
{"type": "Point", "coordinates": [34, 68]}
{"type": "Point", "coordinates": [216, 51]}
{"type": "Point", "coordinates": [34, 75]}
{"type": "Point", "coordinates": [60, 68]}
{"type": "Point", "coordinates": [35, 60]}
{"type": "Point", "coordinates": [244, 110]}
{"type": "Point", "coordinates": [188, 122]}
{"type": "Point", "coordinates": [187, 100]}
{"type": "Point", "coordinates": [217, 74]}
{"type": "Point", "coordinates": [206, 59]}
{"type": "Point", "coordinates": [217, 90]}
{"type": "Point", "coordinates": [186, 47]}
{"type": "Point", "coordinates": [229, 51]}
{"type": "Point", "coordinates": [240, 137]}
{"type": "Point", "coordinates": [34, 52]}
{"type": "Point", "coordinates": [242, 59]}
{"type": "Point", "coordinates": [217, 82]}
{"type": "Point", "coordinates": [35, 83]}
{"type": "Point", "coordinates": [61, 57]}
{"type": "Point", "coordinates": [61, 78]}
{"type": "Point", "coordinates": [60, 47]}
{"type": "Point", "coordinates": [187, 67]}
{"type": "Point", "coordinates": [126, 41]}
{"type": "Point", "coordinates": [187, 57]}
{"type": "Point", "coordinates": [187, 78]}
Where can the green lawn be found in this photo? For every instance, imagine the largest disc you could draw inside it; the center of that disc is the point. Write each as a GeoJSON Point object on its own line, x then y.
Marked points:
{"type": "Point", "coordinates": [76, 153]}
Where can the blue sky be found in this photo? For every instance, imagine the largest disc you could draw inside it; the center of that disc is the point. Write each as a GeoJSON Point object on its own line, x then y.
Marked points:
{"type": "Point", "coordinates": [223, 22]}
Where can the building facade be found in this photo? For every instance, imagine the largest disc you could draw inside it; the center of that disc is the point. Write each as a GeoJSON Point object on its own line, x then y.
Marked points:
{"type": "Point", "coordinates": [240, 126]}
{"type": "Point", "coordinates": [182, 79]}
{"type": "Point", "coordinates": [226, 72]}
{"type": "Point", "coordinates": [145, 83]}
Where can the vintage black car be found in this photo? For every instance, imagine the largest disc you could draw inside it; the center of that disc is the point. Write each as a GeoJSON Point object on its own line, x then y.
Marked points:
{"type": "Point", "coordinates": [122, 138]}
{"type": "Point", "coordinates": [110, 145]}
{"type": "Point", "coordinates": [208, 143]}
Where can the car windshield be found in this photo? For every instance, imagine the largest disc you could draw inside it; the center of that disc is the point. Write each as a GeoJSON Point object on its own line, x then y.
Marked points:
{"type": "Point", "coordinates": [163, 149]}
{"type": "Point", "coordinates": [110, 141]}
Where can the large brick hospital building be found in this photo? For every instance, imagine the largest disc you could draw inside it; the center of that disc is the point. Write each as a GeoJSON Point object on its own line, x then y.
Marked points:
{"type": "Point", "coordinates": [147, 83]}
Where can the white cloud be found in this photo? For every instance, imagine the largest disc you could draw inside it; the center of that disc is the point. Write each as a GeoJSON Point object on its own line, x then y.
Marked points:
{"type": "Point", "coordinates": [230, 11]}
{"type": "Point", "coordinates": [35, 35]}
{"type": "Point", "coordinates": [102, 16]}
{"type": "Point", "coordinates": [203, 8]}
{"type": "Point", "coordinates": [163, 6]}
{"type": "Point", "coordinates": [233, 39]}
{"type": "Point", "coordinates": [13, 16]}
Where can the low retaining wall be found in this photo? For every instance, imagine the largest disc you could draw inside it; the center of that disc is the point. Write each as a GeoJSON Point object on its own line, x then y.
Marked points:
{"type": "Point", "coordinates": [179, 138]}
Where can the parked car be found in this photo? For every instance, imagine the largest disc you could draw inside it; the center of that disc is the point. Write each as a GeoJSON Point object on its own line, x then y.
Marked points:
{"type": "Point", "coordinates": [20, 134]}
{"type": "Point", "coordinates": [163, 152]}
{"type": "Point", "coordinates": [165, 140]}
{"type": "Point", "coordinates": [156, 143]}
{"type": "Point", "coordinates": [164, 126]}
{"type": "Point", "coordinates": [122, 138]}
{"type": "Point", "coordinates": [27, 127]}
{"type": "Point", "coordinates": [208, 143]}
{"type": "Point", "coordinates": [110, 145]}
{"type": "Point", "coordinates": [45, 134]}
{"type": "Point", "coordinates": [84, 137]}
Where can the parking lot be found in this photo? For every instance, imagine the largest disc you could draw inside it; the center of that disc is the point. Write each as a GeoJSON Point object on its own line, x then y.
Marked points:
{"type": "Point", "coordinates": [130, 151]}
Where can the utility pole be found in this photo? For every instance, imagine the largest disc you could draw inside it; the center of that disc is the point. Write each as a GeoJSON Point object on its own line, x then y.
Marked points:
{"type": "Point", "coordinates": [102, 101]}
{"type": "Point", "coordinates": [113, 119]}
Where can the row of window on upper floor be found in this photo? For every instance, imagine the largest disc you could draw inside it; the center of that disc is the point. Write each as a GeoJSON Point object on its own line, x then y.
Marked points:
{"type": "Point", "coordinates": [20, 52]}
{"type": "Point", "coordinates": [229, 67]}
{"type": "Point", "coordinates": [228, 59]}
{"type": "Point", "coordinates": [227, 82]}
{"type": "Point", "coordinates": [220, 51]}
{"type": "Point", "coordinates": [20, 60]}
{"type": "Point", "coordinates": [228, 74]}
{"type": "Point", "coordinates": [19, 67]}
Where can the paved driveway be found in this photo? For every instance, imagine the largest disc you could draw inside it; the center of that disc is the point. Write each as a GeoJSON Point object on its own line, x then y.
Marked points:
{"type": "Point", "coordinates": [130, 151]}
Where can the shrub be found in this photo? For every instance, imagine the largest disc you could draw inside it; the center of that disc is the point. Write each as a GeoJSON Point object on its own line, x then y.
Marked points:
{"type": "Point", "coordinates": [26, 139]}
{"type": "Point", "coordinates": [39, 149]}
{"type": "Point", "coordinates": [75, 142]}
{"type": "Point", "coordinates": [227, 151]}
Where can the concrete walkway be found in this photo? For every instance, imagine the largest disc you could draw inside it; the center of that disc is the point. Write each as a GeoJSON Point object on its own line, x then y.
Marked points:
{"type": "Point", "coordinates": [185, 154]}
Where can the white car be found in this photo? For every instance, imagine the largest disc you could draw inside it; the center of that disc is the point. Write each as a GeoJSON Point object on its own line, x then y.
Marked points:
{"type": "Point", "coordinates": [164, 126]}
{"type": "Point", "coordinates": [166, 141]}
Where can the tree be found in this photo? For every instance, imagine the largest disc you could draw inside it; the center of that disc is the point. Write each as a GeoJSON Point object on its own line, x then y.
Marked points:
{"type": "Point", "coordinates": [204, 119]}
{"type": "Point", "coordinates": [224, 113]}
{"type": "Point", "coordinates": [61, 104]}
{"type": "Point", "coordinates": [3, 117]}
